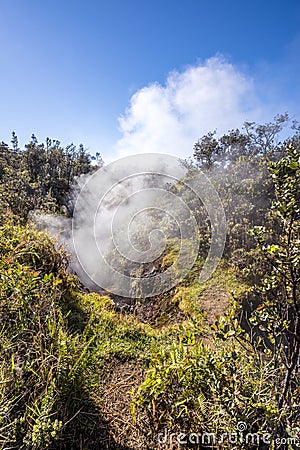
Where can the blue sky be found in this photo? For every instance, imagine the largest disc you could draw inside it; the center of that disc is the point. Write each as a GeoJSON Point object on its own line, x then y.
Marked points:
{"type": "Point", "coordinates": [132, 76]}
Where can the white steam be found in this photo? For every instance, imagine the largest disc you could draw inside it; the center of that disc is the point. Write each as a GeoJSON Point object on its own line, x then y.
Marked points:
{"type": "Point", "coordinates": [124, 217]}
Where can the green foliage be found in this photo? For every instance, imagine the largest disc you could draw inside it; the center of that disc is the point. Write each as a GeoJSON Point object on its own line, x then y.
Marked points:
{"type": "Point", "coordinates": [193, 387]}
{"type": "Point", "coordinates": [30, 248]}
{"type": "Point", "coordinates": [203, 370]}
{"type": "Point", "coordinates": [237, 165]}
{"type": "Point", "coordinates": [194, 298]}
{"type": "Point", "coordinates": [254, 141]}
{"type": "Point", "coordinates": [117, 335]}
{"type": "Point", "coordinates": [278, 314]}
{"type": "Point", "coordinates": [40, 176]}
{"type": "Point", "coordinates": [43, 365]}
{"type": "Point", "coordinates": [54, 344]}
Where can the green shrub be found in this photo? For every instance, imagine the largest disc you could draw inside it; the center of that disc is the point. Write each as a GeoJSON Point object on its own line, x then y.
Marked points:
{"type": "Point", "coordinates": [194, 387]}
{"type": "Point", "coordinates": [43, 365]}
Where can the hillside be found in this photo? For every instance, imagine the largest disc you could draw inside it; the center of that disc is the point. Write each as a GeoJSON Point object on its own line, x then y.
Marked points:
{"type": "Point", "coordinates": [203, 365]}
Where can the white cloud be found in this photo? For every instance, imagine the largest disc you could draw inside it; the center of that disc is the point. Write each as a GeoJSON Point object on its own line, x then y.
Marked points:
{"type": "Point", "coordinates": [170, 118]}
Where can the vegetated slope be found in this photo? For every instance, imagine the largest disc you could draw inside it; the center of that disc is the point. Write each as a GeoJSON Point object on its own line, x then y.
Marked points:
{"type": "Point", "coordinates": [68, 358]}
{"type": "Point", "coordinates": [77, 372]}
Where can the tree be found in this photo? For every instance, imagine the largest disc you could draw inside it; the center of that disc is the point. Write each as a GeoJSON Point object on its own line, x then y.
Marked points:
{"type": "Point", "coordinates": [14, 141]}
{"type": "Point", "coordinates": [263, 137]}
{"type": "Point", "coordinates": [255, 140]}
{"type": "Point", "coordinates": [39, 177]}
{"type": "Point", "coordinates": [278, 313]}
{"type": "Point", "coordinates": [207, 151]}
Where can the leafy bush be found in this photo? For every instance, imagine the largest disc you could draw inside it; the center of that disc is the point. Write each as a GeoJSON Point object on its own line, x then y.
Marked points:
{"type": "Point", "coordinates": [196, 387]}
{"type": "Point", "coordinates": [43, 365]}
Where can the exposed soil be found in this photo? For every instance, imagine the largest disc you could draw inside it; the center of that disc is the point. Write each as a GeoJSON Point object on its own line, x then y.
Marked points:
{"type": "Point", "coordinates": [214, 302]}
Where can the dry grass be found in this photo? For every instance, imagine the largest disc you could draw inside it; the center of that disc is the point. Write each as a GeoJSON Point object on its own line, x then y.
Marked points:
{"type": "Point", "coordinates": [120, 379]}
